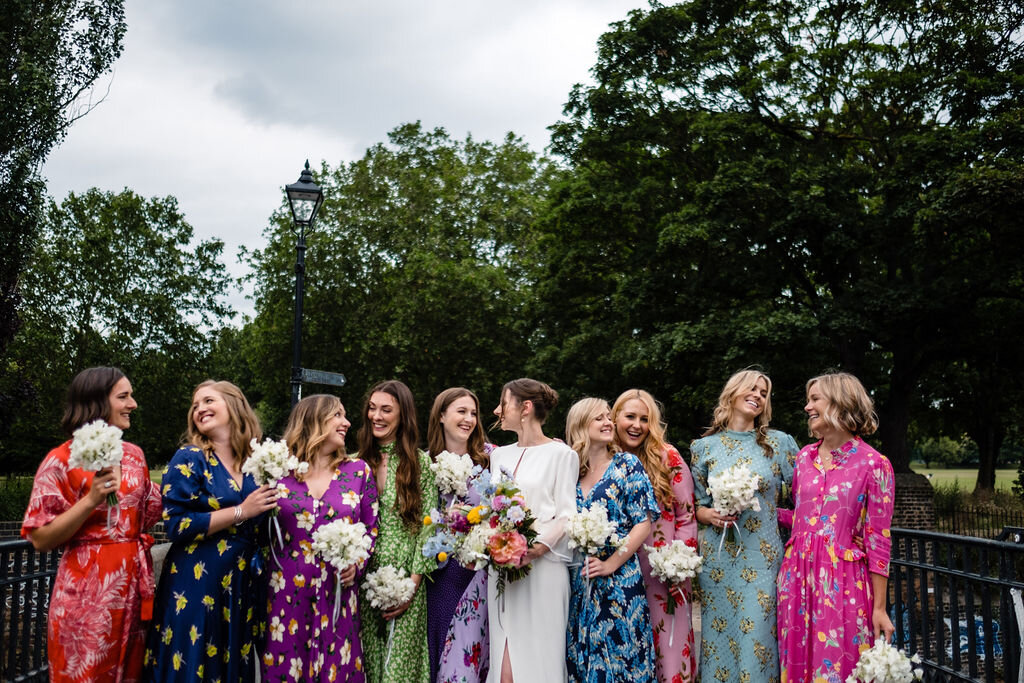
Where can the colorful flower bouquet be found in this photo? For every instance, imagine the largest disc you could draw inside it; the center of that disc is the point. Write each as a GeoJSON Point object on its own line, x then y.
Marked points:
{"type": "Point", "coordinates": [97, 446]}
{"type": "Point", "coordinates": [733, 492]}
{"type": "Point", "coordinates": [342, 543]}
{"type": "Point", "coordinates": [495, 533]}
{"type": "Point", "coordinates": [673, 563]}
{"type": "Point", "coordinates": [883, 663]}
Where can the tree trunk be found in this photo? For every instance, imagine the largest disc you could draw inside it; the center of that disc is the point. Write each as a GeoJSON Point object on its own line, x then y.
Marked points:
{"type": "Point", "coordinates": [894, 418]}
{"type": "Point", "coordinates": [989, 437]}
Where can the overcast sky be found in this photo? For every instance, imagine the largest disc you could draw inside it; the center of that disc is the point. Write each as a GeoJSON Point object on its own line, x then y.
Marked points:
{"type": "Point", "coordinates": [220, 103]}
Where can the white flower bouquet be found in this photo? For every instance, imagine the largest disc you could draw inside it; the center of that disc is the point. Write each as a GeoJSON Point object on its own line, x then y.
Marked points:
{"type": "Point", "coordinates": [271, 461]}
{"type": "Point", "coordinates": [591, 532]}
{"type": "Point", "coordinates": [387, 588]}
{"type": "Point", "coordinates": [674, 563]}
{"type": "Point", "coordinates": [472, 552]}
{"type": "Point", "coordinates": [883, 663]}
{"type": "Point", "coordinates": [452, 472]}
{"type": "Point", "coordinates": [97, 446]}
{"type": "Point", "coordinates": [735, 490]}
{"type": "Point", "coordinates": [342, 543]}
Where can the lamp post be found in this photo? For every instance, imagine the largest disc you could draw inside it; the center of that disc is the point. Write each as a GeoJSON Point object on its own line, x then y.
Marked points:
{"type": "Point", "coordinates": [304, 198]}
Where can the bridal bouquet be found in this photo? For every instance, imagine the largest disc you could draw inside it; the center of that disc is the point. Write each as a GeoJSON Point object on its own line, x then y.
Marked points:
{"type": "Point", "coordinates": [883, 663]}
{"type": "Point", "coordinates": [97, 446]}
{"type": "Point", "coordinates": [452, 472]}
{"type": "Point", "coordinates": [342, 543]}
{"type": "Point", "coordinates": [387, 588]}
{"type": "Point", "coordinates": [674, 563]}
{"type": "Point", "coordinates": [504, 508]}
{"type": "Point", "coordinates": [591, 532]}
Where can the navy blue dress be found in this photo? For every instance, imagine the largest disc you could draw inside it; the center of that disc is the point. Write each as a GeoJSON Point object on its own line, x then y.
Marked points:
{"type": "Point", "coordinates": [210, 606]}
{"type": "Point", "coordinates": [609, 637]}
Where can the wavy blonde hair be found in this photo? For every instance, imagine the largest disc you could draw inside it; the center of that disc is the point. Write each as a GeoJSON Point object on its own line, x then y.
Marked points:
{"type": "Point", "coordinates": [307, 429]}
{"type": "Point", "coordinates": [740, 382]}
{"type": "Point", "coordinates": [653, 448]}
{"type": "Point", "coordinates": [849, 406]}
{"type": "Point", "coordinates": [580, 415]}
{"type": "Point", "coordinates": [245, 426]}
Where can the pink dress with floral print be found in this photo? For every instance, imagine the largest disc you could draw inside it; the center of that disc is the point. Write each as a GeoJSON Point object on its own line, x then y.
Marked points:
{"type": "Point", "coordinates": [676, 662]}
{"type": "Point", "coordinates": [840, 535]}
{"type": "Point", "coordinates": [104, 585]}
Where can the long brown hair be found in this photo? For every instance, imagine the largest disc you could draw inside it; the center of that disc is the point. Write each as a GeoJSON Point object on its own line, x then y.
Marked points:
{"type": "Point", "coordinates": [88, 397]}
{"type": "Point", "coordinates": [307, 428]}
{"type": "Point", "coordinates": [742, 381]}
{"type": "Point", "coordinates": [245, 426]}
{"type": "Point", "coordinates": [409, 497]}
{"type": "Point", "coordinates": [651, 452]}
{"type": "Point", "coordinates": [435, 430]}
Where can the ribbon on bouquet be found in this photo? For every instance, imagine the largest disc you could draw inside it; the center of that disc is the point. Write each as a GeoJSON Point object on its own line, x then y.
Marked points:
{"type": "Point", "coordinates": [275, 526]}
{"type": "Point", "coordinates": [391, 635]}
{"type": "Point", "coordinates": [725, 531]}
{"type": "Point", "coordinates": [337, 598]}
{"type": "Point", "coordinates": [672, 601]}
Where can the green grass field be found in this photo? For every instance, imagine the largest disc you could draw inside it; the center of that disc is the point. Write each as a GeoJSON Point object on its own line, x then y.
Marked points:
{"type": "Point", "coordinates": [967, 477]}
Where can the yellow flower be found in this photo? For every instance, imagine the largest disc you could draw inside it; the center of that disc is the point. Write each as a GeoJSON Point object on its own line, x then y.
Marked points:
{"type": "Point", "coordinates": [186, 470]}
{"type": "Point", "coordinates": [179, 602]}
{"type": "Point", "coordinates": [442, 556]}
{"type": "Point", "coordinates": [199, 570]}
{"type": "Point", "coordinates": [427, 521]}
{"type": "Point", "coordinates": [208, 601]}
{"type": "Point", "coordinates": [222, 546]}
{"type": "Point", "coordinates": [213, 503]}
{"type": "Point", "coordinates": [168, 635]}
{"type": "Point", "coordinates": [185, 523]}
{"type": "Point", "coordinates": [176, 660]}
{"type": "Point", "coordinates": [199, 672]}
{"type": "Point", "coordinates": [193, 635]}
{"type": "Point", "coordinates": [474, 515]}
{"type": "Point", "coordinates": [225, 582]}
{"type": "Point", "coordinates": [227, 615]}
{"type": "Point", "coordinates": [211, 650]}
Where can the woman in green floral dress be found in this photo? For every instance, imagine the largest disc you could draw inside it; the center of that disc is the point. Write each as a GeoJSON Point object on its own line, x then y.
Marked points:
{"type": "Point", "coordinates": [737, 584]}
{"type": "Point", "coordinates": [406, 489]}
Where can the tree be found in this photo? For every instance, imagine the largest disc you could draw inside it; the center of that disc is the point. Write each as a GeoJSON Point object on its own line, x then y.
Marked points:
{"type": "Point", "coordinates": [818, 183]}
{"type": "Point", "coordinates": [116, 279]}
{"type": "Point", "coordinates": [417, 269]}
{"type": "Point", "coordinates": [52, 53]}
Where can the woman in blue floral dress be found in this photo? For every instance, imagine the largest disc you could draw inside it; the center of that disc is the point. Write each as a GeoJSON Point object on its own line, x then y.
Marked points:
{"type": "Point", "coordinates": [609, 635]}
{"type": "Point", "coordinates": [208, 609]}
{"type": "Point", "coordinates": [313, 623]}
{"type": "Point", "coordinates": [737, 583]}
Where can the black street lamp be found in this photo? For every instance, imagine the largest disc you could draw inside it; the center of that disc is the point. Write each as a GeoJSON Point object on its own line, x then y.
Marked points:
{"type": "Point", "coordinates": [305, 198]}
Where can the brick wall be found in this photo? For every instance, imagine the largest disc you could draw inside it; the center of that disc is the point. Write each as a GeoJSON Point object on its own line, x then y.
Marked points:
{"type": "Point", "coordinates": [915, 508]}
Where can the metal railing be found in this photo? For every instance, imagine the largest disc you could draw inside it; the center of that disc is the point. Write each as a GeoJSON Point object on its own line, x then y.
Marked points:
{"type": "Point", "coordinates": [956, 601]}
{"type": "Point", "coordinates": [982, 522]}
{"type": "Point", "coordinates": [26, 579]}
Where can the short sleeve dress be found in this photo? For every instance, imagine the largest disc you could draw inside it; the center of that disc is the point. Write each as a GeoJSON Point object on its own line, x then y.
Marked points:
{"type": "Point", "coordinates": [103, 592]}
{"type": "Point", "coordinates": [840, 537]}
{"type": "Point", "coordinates": [304, 640]}
{"type": "Point", "coordinates": [210, 606]}
{"type": "Point", "coordinates": [736, 586]}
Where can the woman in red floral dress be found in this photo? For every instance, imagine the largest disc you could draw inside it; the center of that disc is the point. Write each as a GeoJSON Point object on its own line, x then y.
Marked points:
{"type": "Point", "coordinates": [104, 586]}
{"type": "Point", "coordinates": [639, 430]}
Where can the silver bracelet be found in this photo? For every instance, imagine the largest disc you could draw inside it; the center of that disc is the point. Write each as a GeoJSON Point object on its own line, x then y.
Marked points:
{"type": "Point", "coordinates": [238, 515]}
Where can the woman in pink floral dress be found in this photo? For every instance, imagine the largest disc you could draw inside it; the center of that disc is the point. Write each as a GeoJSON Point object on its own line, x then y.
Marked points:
{"type": "Point", "coordinates": [639, 430]}
{"type": "Point", "coordinates": [832, 585]}
{"type": "Point", "coordinates": [104, 587]}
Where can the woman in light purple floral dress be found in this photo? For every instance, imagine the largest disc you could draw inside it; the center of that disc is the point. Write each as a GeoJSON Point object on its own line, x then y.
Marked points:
{"type": "Point", "coordinates": [304, 642]}
{"type": "Point", "coordinates": [456, 596]}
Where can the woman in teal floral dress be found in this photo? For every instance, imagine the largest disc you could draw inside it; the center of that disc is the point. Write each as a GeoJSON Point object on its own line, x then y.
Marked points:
{"type": "Point", "coordinates": [736, 588]}
{"type": "Point", "coordinates": [609, 636]}
{"type": "Point", "coordinates": [406, 489]}
{"type": "Point", "coordinates": [208, 609]}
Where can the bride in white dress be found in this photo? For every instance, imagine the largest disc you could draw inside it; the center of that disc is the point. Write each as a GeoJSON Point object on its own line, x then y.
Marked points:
{"type": "Point", "coordinates": [528, 626]}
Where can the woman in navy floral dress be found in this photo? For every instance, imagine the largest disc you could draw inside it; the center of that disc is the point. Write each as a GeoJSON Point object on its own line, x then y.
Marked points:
{"type": "Point", "coordinates": [305, 642]}
{"type": "Point", "coordinates": [609, 637]}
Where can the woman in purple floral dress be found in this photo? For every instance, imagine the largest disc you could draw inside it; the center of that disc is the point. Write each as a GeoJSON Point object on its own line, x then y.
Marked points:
{"type": "Point", "coordinates": [304, 641]}
{"type": "Point", "coordinates": [832, 585]}
{"type": "Point", "coordinates": [456, 596]}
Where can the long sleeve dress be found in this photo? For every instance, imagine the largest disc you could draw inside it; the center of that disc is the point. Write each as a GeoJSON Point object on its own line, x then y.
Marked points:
{"type": "Point", "coordinates": [736, 586]}
{"type": "Point", "coordinates": [103, 591]}
{"type": "Point", "coordinates": [304, 643]}
{"type": "Point", "coordinates": [210, 606]}
{"type": "Point", "coordinates": [609, 636]}
{"type": "Point", "coordinates": [457, 615]}
{"type": "Point", "coordinates": [400, 547]}
{"type": "Point", "coordinates": [531, 618]}
{"type": "Point", "coordinates": [840, 536]}
{"type": "Point", "coordinates": [675, 656]}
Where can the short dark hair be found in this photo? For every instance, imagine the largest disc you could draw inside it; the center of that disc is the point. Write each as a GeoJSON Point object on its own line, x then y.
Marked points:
{"type": "Point", "coordinates": [89, 397]}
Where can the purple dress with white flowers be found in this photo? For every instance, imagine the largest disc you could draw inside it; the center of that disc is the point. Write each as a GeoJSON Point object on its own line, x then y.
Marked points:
{"type": "Point", "coordinates": [302, 642]}
{"type": "Point", "coordinates": [457, 616]}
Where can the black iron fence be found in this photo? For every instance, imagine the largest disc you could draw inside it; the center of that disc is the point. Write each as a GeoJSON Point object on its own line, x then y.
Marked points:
{"type": "Point", "coordinates": [26, 578]}
{"type": "Point", "coordinates": [982, 522]}
{"type": "Point", "coordinates": [954, 600]}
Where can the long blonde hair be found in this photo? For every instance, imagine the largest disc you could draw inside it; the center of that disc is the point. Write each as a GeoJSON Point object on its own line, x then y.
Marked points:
{"type": "Point", "coordinates": [742, 381]}
{"type": "Point", "coordinates": [307, 429]}
{"type": "Point", "coordinates": [245, 426]}
{"type": "Point", "coordinates": [651, 452]}
{"type": "Point", "coordinates": [580, 415]}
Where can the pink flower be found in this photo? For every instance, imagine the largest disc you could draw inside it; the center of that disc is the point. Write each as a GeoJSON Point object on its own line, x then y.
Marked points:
{"type": "Point", "coordinates": [507, 548]}
{"type": "Point", "coordinates": [499, 503]}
